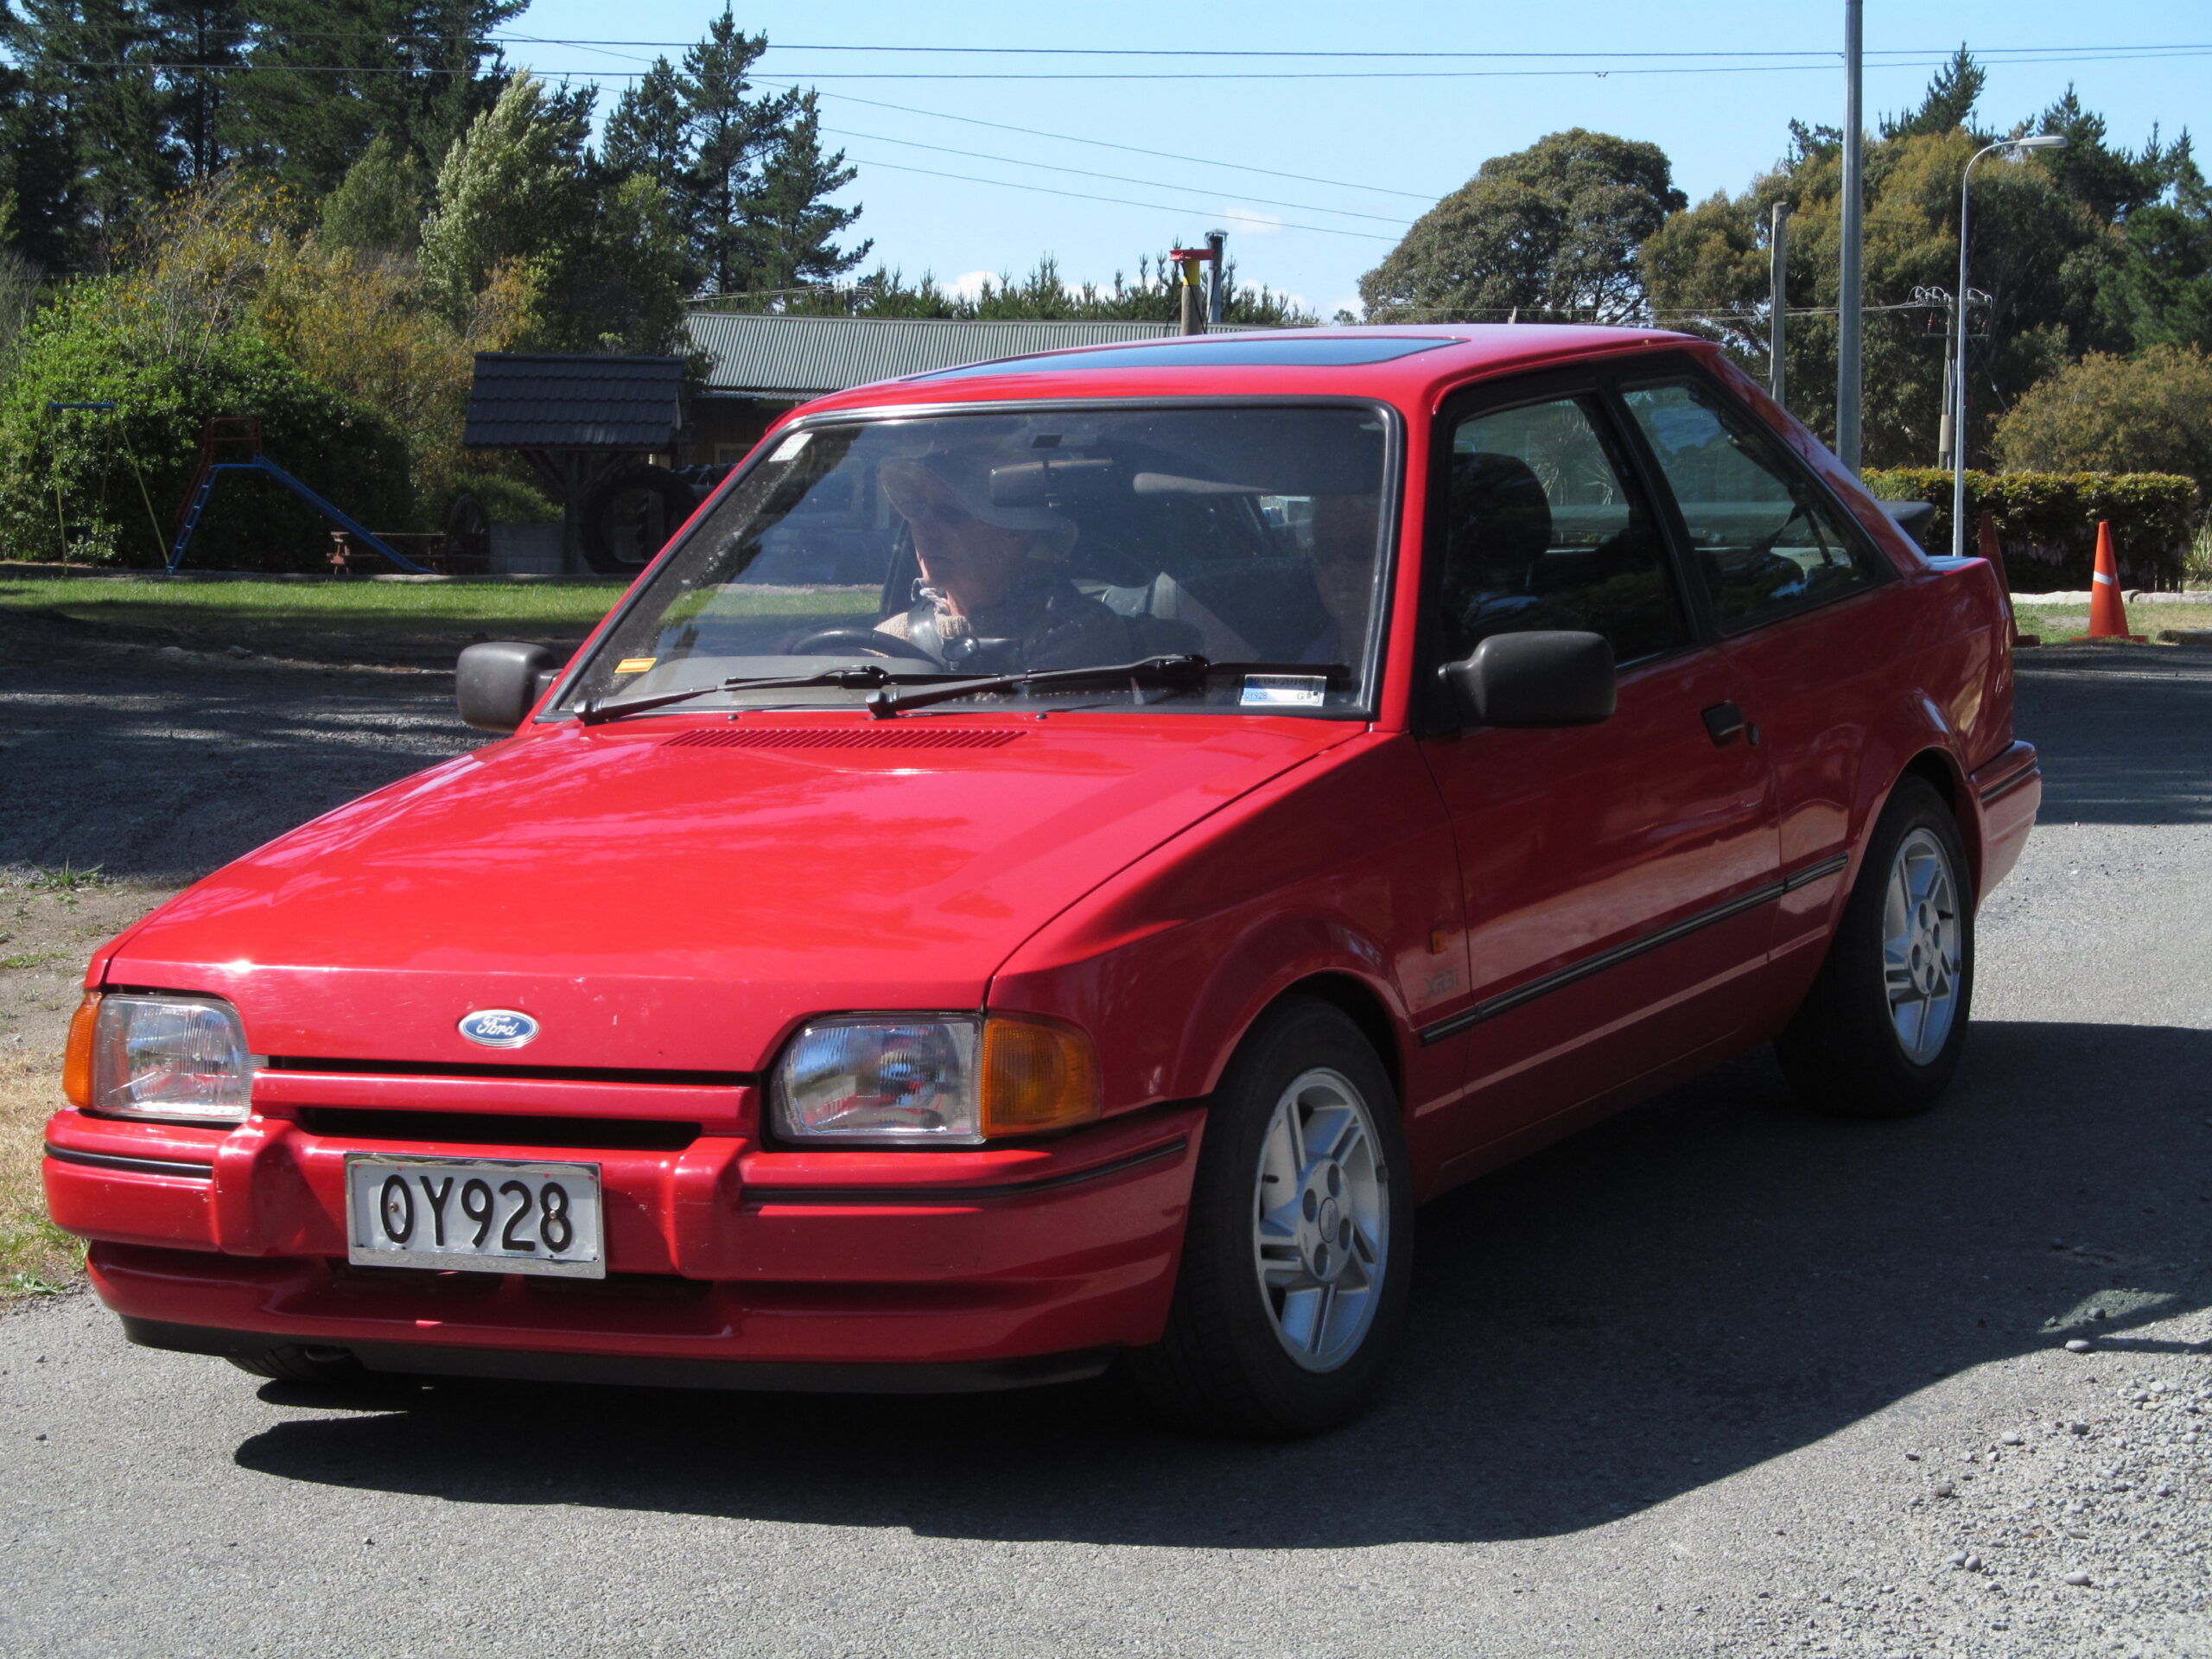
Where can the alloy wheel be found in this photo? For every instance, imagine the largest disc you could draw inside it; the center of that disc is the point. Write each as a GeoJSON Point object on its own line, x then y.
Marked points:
{"type": "Point", "coordinates": [1320, 1220]}
{"type": "Point", "coordinates": [1922, 946]}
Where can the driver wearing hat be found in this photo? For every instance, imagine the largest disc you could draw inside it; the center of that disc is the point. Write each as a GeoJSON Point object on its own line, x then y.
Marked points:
{"type": "Point", "coordinates": [987, 601]}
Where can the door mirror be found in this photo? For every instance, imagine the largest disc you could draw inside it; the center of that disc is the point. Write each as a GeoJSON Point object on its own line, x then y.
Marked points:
{"type": "Point", "coordinates": [1533, 679]}
{"type": "Point", "coordinates": [496, 684]}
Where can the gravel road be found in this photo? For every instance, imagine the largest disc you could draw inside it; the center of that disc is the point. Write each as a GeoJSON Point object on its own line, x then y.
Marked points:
{"type": "Point", "coordinates": [1713, 1378]}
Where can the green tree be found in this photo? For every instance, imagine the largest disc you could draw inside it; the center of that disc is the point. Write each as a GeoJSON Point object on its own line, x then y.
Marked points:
{"type": "Point", "coordinates": [378, 207]}
{"type": "Point", "coordinates": [648, 131]}
{"type": "Point", "coordinates": [728, 132]}
{"type": "Point", "coordinates": [1043, 295]}
{"type": "Point", "coordinates": [508, 186]}
{"type": "Point", "coordinates": [790, 221]}
{"type": "Point", "coordinates": [1549, 232]}
{"type": "Point", "coordinates": [2041, 251]}
{"type": "Point", "coordinates": [2150, 413]}
{"type": "Point", "coordinates": [614, 282]}
{"type": "Point", "coordinates": [415, 72]}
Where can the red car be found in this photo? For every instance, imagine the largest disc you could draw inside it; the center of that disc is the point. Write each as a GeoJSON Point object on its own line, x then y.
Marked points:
{"type": "Point", "coordinates": [1051, 865]}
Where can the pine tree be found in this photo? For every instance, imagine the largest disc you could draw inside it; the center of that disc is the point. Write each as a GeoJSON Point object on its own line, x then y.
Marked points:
{"type": "Point", "coordinates": [789, 219]}
{"type": "Point", "coordinates": [728, 131]}
{"type": "Point", "coordinates": [647, 131]}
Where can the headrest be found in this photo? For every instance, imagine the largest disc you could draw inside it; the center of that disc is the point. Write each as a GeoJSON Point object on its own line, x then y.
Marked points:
{"type": "Point", "coordinates": [1500, 516]}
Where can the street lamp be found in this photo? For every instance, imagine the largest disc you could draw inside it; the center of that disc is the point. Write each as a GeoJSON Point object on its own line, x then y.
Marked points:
{"type": "Point", "coordinates": [2039, 141]}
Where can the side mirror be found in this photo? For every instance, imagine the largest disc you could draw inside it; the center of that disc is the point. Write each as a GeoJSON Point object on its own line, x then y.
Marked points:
{"type": "Point", "coordinates": [496, 684]}
{"type": "Point", "coordinates": [1533, 679]}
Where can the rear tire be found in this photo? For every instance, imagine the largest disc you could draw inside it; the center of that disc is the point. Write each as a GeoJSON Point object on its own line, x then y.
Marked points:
{"type": "Point", "coordinates": [1880, 1032]}
{"type": "Point", "coordinates": [1298, 1251]}
{"type": "Point", "coordinates": [306, 1366]}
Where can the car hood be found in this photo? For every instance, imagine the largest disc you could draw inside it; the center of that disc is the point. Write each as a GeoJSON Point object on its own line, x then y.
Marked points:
{"type": "Point", "coordinates": [674, 894]}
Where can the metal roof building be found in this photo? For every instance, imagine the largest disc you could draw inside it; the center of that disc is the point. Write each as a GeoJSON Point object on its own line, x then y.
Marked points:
{"type": "Point", "coordinates": [787, 359]}
{"type": "Point", "coordinates": [545, 402]}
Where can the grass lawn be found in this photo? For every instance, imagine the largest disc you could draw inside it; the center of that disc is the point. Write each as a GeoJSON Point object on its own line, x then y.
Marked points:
{"type": "Point", "coordinates": [2056, 624]}
{"type": "Point", "coordinates": [350, 620]}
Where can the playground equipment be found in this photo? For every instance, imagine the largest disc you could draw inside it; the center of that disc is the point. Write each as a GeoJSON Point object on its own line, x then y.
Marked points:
{"type": "Point", "coordinates": [222, 430]}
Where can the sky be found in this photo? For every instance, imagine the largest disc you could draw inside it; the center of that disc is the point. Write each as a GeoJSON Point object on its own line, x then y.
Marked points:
{"type": "Point", "coordinates": [1316, 177]}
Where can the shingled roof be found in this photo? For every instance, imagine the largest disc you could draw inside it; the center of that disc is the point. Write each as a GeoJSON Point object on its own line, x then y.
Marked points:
{"type": "Point", "coordinates": [522, 400]}
{"type": "Point", "coordinates": [784, 358]}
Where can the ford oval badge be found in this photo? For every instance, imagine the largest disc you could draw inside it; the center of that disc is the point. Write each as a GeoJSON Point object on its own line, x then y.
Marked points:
{"type": "Point", "coordinates": [498, 1028]}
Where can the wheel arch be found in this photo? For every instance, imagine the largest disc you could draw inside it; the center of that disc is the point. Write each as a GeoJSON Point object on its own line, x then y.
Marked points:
{"type": "Point", "coordinates": [1939, 768]}
{"type": "Point", "coordinates": [1358, 1004]}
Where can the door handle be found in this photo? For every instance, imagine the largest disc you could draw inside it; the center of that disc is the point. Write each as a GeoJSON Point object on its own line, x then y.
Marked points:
{"type": "Point", "coordinates": [1724, 722]}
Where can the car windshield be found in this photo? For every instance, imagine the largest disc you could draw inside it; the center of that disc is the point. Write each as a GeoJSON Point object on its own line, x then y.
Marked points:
{"type": "Point", "coordinates": [975, 545]}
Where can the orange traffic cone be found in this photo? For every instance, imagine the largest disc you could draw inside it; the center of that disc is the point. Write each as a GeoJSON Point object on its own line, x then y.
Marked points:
{"type": "Point", "coordinates": [2107, 615]}
{"type": "Point", "coordinates": [1994, 554]}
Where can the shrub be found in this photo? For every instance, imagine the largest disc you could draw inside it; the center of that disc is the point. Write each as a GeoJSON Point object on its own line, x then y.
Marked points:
{"type": "Point", "coordinates": [102, 341]}
{"type": "Point", "coordinates": [2152, 412]}
{"type": "Point", "coordinates": [2048, 521]}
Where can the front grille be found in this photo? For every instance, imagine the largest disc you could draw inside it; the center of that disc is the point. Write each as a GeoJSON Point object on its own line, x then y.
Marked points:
{"type": "Point", "coordinates": [500, 1129]}
{"type": "Point", "coordinates": [841, 737]}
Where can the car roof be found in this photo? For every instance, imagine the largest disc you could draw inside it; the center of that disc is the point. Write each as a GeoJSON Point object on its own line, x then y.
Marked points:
{"type": "Point", "coordinates": [1405, 364]}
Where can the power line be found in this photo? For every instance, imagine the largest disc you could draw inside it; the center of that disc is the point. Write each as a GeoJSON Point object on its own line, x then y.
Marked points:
{"type": "Point", "coordinates": [1113, 178]}
{"type": "Point", "coordinates": [1827, 55]}
{"type": "Point", "coordinates": [1130, 150]}
{"type": "Point", "coordinates": [1118, 201]}
{"type": "Point", "coordinates": [1215, 77]}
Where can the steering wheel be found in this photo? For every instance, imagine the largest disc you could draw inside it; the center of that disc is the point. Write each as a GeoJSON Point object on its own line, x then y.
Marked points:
{"type": "Point", "coordinates": [868, 642]}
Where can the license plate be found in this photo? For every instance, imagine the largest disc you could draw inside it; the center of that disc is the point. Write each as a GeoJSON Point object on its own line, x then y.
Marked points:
{"type": "Point", "coordinates": [483, 1214]}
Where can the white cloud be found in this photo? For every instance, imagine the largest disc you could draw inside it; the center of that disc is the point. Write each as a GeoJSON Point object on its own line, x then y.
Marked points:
{"type": "Point", "coordinates": [969, 284]}
{"type": "Point", "coordinates": [1350, 303]}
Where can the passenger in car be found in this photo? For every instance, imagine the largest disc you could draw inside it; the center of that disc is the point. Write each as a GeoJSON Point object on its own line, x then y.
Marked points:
{"type": "Point", "coordinates": [1343, 575]}
{"type": "Point", "coordinates": [987, 600]}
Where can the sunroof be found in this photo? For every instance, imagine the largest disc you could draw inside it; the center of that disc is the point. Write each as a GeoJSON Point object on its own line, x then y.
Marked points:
{"type": "Point", "coordinates": [1228, 351]}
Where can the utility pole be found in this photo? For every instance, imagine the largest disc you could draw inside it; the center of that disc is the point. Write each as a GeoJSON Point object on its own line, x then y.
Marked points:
{"type": "Point", "coordinates": [1848, 311]}
{"type": "Point", "coordinates": [1216, 287]}
{"type": "Point", "coordinates": [1196, 310]}
{"type": "Point", "coordinates": [1778, 308]}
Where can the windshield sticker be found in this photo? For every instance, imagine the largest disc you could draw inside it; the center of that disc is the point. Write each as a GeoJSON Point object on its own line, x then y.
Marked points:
{"type": "Point", "coordinates": [789, 448]}
{"type": "Point", "coordinates": [635, 664]}
{"type": "Point", "coordinates": [1284, 690]}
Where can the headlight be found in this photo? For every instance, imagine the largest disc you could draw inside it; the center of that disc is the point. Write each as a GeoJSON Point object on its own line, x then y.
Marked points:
{"type": "Point", "coordinates": [144, 1055]}
{"type": "Point", "coordinates": [938, 1080]}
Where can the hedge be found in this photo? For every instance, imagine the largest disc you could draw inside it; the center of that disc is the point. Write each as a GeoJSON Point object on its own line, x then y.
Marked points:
{"type": "Point", "coordinates": [2047, 522]}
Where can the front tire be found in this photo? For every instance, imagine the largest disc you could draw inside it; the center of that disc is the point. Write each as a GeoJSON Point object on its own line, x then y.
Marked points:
{"type": "Point", "coordinates": [1880, 1032]}
{"type": "Point", "coordinates": [1298, 1252]}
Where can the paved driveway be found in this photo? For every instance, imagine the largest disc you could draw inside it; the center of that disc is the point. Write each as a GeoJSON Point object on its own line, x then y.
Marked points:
{"type": "Point", "coordinates": [1714, 1378]}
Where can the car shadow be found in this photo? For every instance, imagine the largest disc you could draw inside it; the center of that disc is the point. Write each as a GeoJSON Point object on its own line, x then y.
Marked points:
{"type": "Point", "coordinates": [1703, 1284]}
{"type": "Point", "coordinates": [2126, 733]}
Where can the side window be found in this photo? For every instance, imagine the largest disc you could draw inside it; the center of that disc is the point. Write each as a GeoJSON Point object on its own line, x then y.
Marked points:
{"type": "Point", "coordinates": [1544, 529]}
{"type": "Point", "coordinates": [1763, 538]}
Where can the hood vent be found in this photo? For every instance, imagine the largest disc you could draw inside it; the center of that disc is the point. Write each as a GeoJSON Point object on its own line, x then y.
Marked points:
{"type": "Point", "coordinates": [841, 737]}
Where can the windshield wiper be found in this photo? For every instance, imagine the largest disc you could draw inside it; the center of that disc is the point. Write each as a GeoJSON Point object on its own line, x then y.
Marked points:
{"type": "Point", "coordinates": [1176, 670]}
{"type": "Point", "coordinates": [596, 713]}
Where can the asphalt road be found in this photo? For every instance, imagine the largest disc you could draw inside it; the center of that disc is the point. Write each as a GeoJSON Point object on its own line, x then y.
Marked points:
{"type": "Point", "coordinates": [1714, 1378]}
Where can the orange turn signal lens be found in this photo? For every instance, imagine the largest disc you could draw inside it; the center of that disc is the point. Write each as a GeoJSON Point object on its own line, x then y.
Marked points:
{"type": "Point", "coordinates": [77, 1062]}
{"type": "Point", "coordinates": [1037, 1076]}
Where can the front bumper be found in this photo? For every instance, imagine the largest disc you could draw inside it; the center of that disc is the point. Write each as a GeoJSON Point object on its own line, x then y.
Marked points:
{"type": "Point", "coordinates": [765, 1268]}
